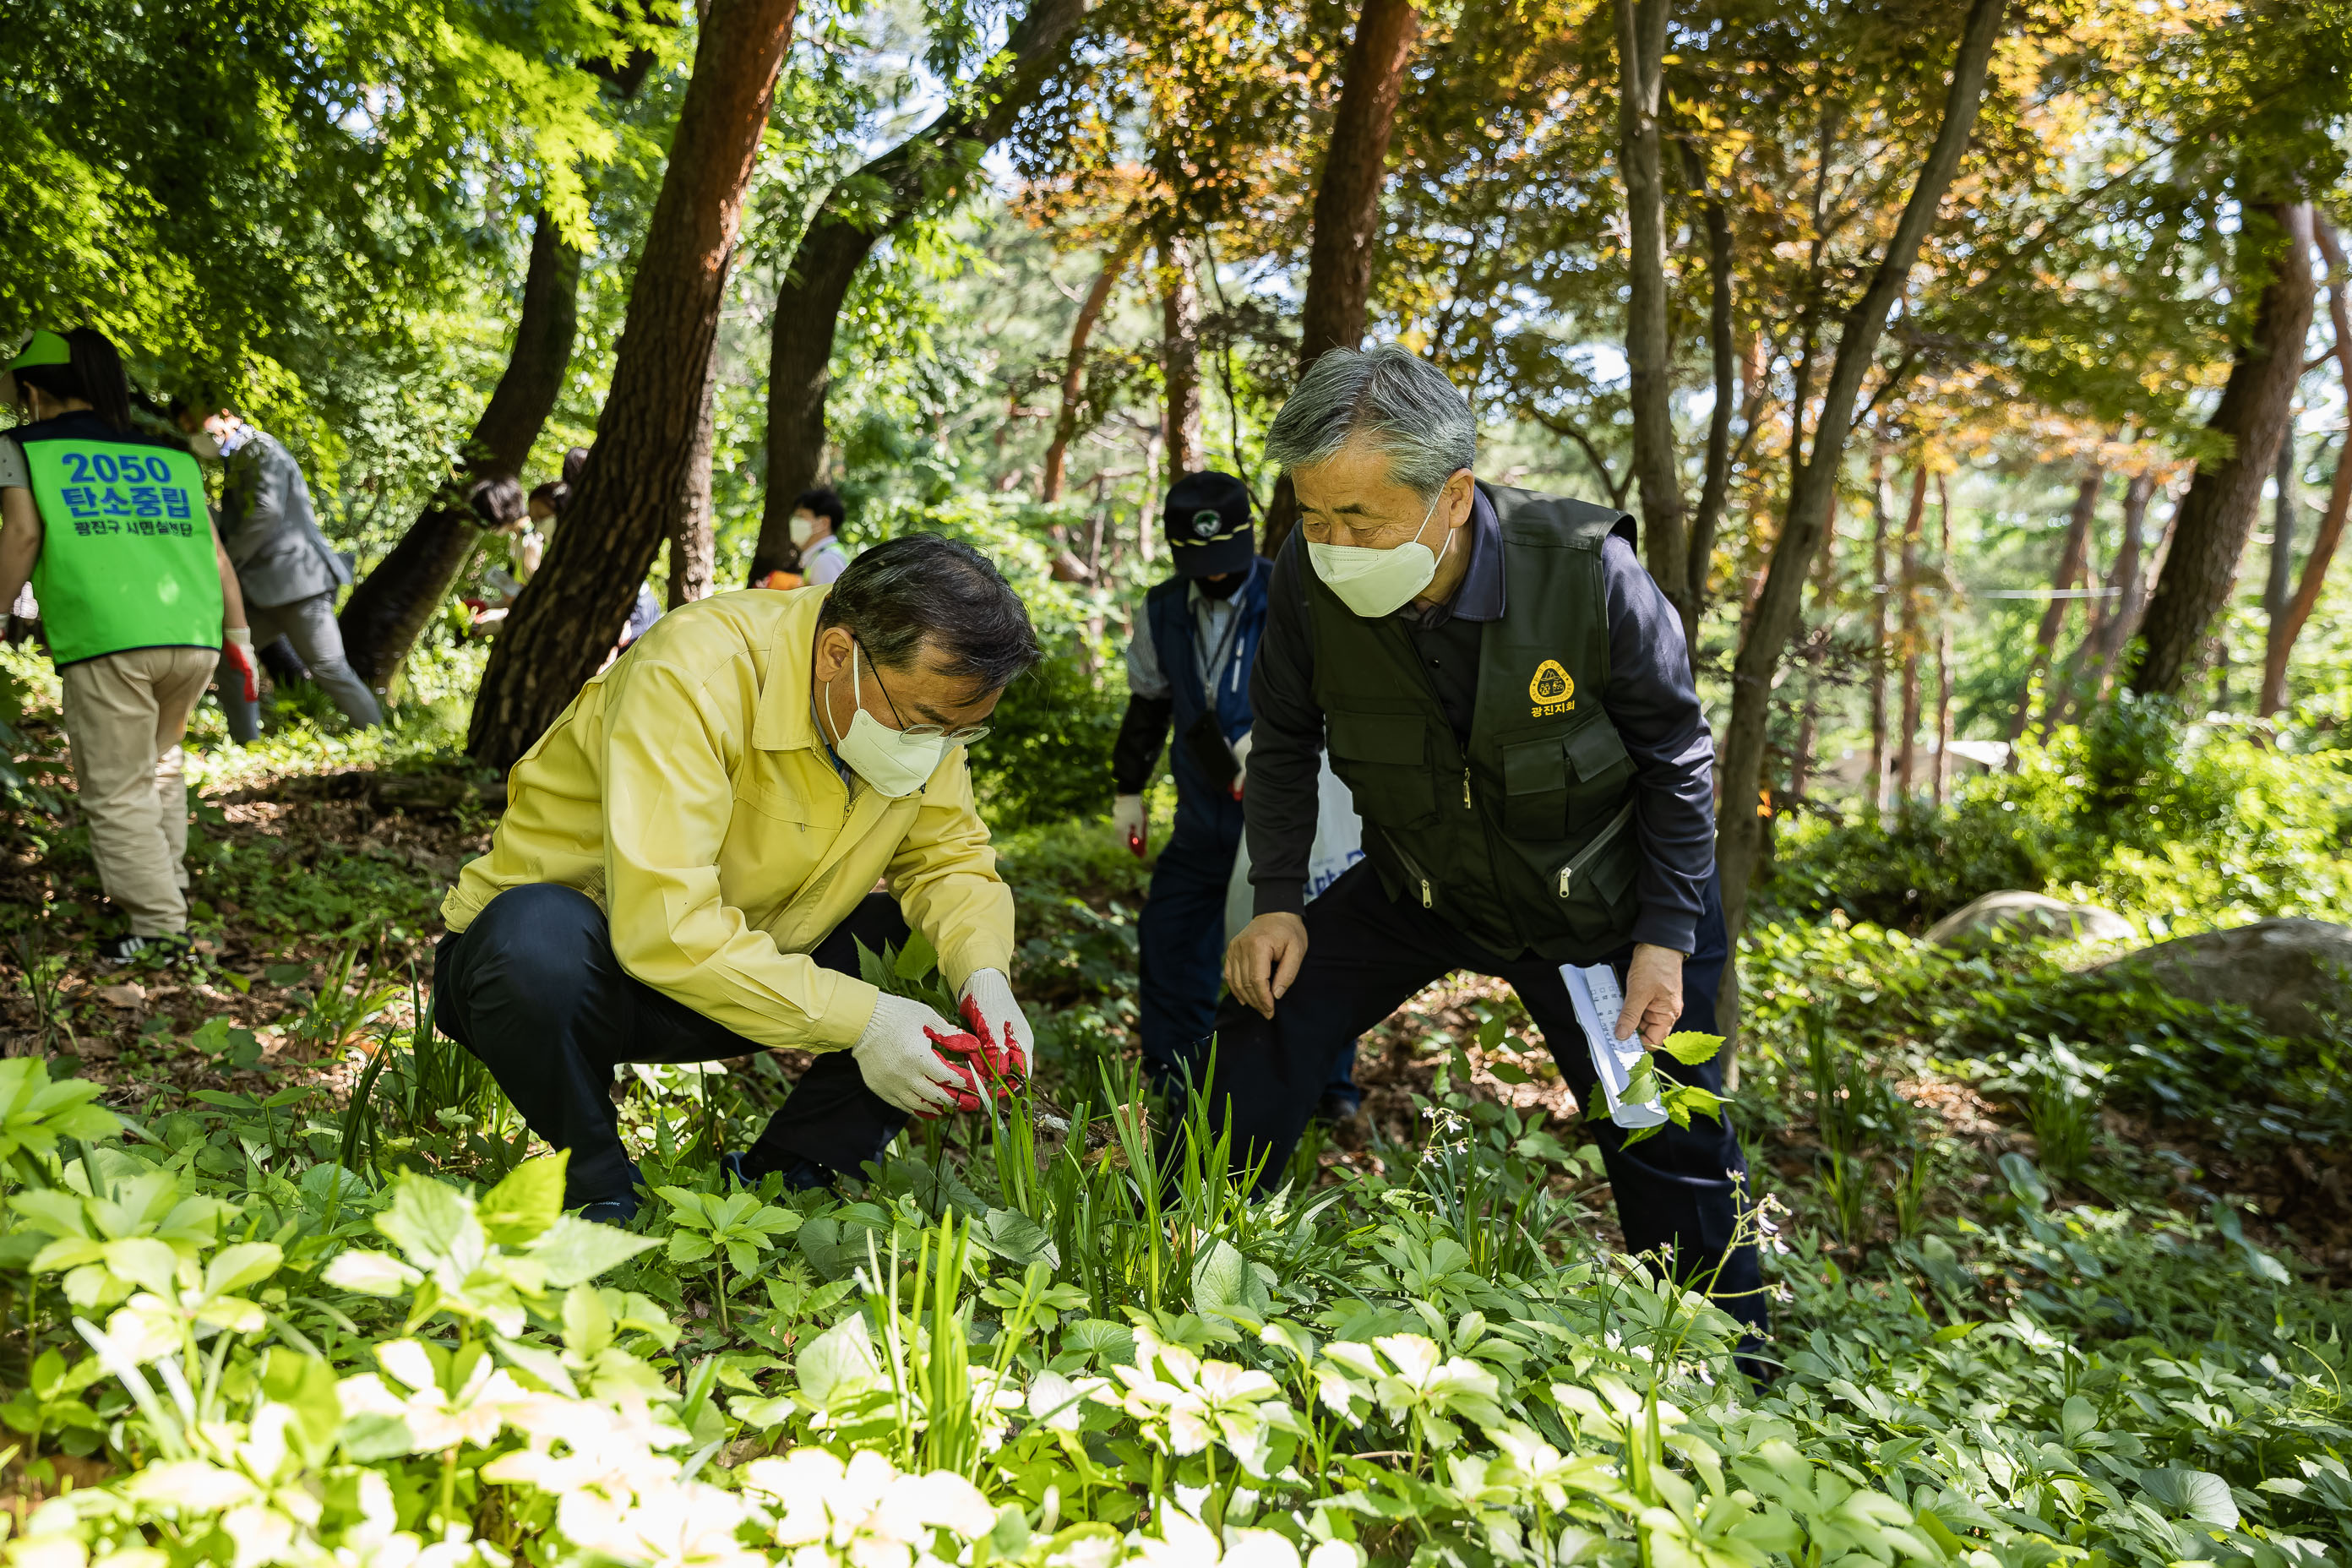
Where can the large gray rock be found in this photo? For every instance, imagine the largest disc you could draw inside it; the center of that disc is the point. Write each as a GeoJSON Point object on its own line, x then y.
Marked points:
{"type": "Point", "coordinates": [2289, 973]}
{"type": "Point", "coordinates": [2013, 916]}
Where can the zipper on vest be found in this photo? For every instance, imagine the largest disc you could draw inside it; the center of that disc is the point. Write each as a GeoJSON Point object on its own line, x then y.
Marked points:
{"type": "Point", "coordinates": [1466, 789]}
{"type": "Point", "coordinates": [1601, 840]}
{"type": "Point", "coordinates": [1427, 901]}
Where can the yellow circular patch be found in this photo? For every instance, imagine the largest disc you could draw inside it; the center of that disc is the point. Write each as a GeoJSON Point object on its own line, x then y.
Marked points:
{"type": "Point", "coordinates": [1552, 683]}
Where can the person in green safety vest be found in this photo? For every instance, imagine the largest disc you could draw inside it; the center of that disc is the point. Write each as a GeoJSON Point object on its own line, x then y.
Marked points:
{"type": "Point", "coordinates": [138, 602]}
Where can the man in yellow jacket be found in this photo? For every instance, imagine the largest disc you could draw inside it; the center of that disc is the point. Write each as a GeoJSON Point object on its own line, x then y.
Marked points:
{"type": "Point", "coordinates": [688, 859]}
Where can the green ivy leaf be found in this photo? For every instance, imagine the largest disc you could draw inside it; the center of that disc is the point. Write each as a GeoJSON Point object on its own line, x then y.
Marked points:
{"type": "Point", "coordinates": [2201, 1495]}
{"type": "Point", "coordinates": [1112, 1343]}
{"type": "Point", "coordinates": [246, 1264]}
{"type": "Point", "coordinates": [575, 1250]}
{"type": "Point", "coordinates": [519, 1210]}
{"type": "Point", "coordinates": [433, 1223]}
{"type": "Point", "coordinates": [1225, 1284]}
{"type": "Point", "coordinates": [1015, 1238]}
{"type": "Point", "coordinates": [916, 959]}
{"type": "Point", "coordinates": [1690, 1047]}
{"type": "Point", "coordinates": [839, 1361]}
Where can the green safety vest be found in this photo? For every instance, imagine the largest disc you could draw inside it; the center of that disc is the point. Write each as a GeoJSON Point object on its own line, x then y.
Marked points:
{"type": "Point", "coordinates": [127, 555]}
{"type": "Point", "coordinates": [1524, 839]}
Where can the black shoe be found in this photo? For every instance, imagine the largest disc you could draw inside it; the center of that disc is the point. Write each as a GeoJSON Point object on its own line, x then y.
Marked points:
{"type": "Point", "coordinates": [802, 1176]}
{"type": "Point", "coordinates": [168, 948]}
{"type": "Point", "coordinates": [1337, 1110]}
{"type": "Point", "coordinates": [808, 1177]}
{"type": "Point", "coordinates": [619, 1212]}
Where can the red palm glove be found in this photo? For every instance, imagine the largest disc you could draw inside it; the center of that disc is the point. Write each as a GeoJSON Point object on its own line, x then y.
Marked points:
{"type": "Point", "coordinates": [991, 1069]}
{"type": "Point", "coordinates": [1006, 1060]}
{"type": "Point", "coordinates": [238, 650]}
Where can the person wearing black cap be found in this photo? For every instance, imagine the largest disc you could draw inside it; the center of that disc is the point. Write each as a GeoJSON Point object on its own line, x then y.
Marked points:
{"type": "Point", "coordinates": [1188, 663]}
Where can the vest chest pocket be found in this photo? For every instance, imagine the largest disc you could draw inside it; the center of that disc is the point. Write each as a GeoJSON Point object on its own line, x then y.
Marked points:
{"type": "Point", "coordinates": [1383, 759]}
{"type": "Point", "coordinates": [1551, 783]}
{"type": "Point", "coordinates": [1535, 788]}
{"type": "Point", "coordinates": [1597, 755]}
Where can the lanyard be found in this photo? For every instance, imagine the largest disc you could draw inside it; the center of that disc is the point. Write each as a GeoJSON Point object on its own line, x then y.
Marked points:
{"type": "Point", "coordinates": [1213, 668]}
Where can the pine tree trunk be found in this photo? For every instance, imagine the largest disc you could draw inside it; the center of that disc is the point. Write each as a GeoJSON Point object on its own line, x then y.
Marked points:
{"type": "Point", "coordinates": [1880, 525]}
{"type": "Point", "coordinates": [1716, 486]}
{"type": "Point", "coordinates": [628, 497]}
{"type": "Point", "coordinates": [1179, 357]}
{"type": "Point", "coordinates": [1768, 626]}
{"type": "Point", "coordinates": [2071, 555]}
{"type": "Point", "coordinates": [1943, 641]}
{"type": "Point", "coordinates": [2215, 518]}
{"type": "Point", "coordinates": [2339, 491]}
{"type": "Point", "coordinates": [1641, 69]}
{"type": "Point", "coordinates": [2278, 588]}
{"type": "Point", "coordinates": [1074, 365]}
{"type": "Point", "coordinates": [1906, 754]}
{"type": "Point", "coordinates": [1347, 214]}
{"type": "Point", "coordinates": [927, 170]}
{"type": "Point", "coordinates": [2129, 578]}
{"type": "Point", "coordinates": [693, 545]}
{"type": "Point", "coordinates": [382, 619]}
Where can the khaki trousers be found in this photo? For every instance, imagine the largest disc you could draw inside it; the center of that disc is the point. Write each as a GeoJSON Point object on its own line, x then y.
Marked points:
{"type": "Point", "coordinates": [125, 714]}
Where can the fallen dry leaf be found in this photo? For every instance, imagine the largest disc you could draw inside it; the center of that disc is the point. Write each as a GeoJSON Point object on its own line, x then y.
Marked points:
{"type": "Point", "coordinates": [122, 995]}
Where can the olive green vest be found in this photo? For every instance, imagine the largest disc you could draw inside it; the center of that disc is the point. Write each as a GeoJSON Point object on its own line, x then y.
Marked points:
{"type": "Point", "coordinates": [127, 557]}
{"type": "Point", "coordinates": [1524, 840]}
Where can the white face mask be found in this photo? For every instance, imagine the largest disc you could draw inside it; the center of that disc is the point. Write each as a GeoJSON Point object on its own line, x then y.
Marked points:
{"type": "Point", "coordinates": [803, 529]}
{"type": "Point", "coordinates": [1375, 582]}
{"type": "Point", "coordinates": [893, 763]}
{"type": "Point", "coordinates": [205, 448]}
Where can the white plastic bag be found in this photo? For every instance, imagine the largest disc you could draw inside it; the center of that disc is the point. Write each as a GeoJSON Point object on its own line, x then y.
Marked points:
{"type": "Point", "coordinates": [1339, 844]}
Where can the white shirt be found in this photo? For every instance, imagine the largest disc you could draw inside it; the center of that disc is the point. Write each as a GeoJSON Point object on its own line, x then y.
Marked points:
{"type": "Point", "coordinates": [823, 561]}
{"type": "Point", "coordinates": [1214, 638]}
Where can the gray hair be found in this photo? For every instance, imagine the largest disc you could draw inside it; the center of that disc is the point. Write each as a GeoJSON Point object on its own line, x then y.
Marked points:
{"type": "Point", "coordinates": [920, 585]}
{"type": "Point", "coordinates": [1390, 396]}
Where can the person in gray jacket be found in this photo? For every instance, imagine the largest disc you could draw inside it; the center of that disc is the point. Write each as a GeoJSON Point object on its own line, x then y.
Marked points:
{"type": "Point", "coordinates": [289, 573]}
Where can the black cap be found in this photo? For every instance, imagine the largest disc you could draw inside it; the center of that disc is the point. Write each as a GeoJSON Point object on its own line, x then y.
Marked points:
{"type": "Point", "coordinates": [1208, 524]}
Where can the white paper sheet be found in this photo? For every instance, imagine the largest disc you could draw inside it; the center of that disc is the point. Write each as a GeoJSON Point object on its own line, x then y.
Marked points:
{"type": "Point", "coordinates": [1597, 1001]}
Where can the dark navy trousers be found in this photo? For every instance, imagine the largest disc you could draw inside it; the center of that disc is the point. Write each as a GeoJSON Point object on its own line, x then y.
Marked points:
{"type": "Point", "coordinates": [1679, 1193]}
{"type": "Point", "coordinates": [533, 990]}
{"type": "Point", "coordinates": [1180, 939]}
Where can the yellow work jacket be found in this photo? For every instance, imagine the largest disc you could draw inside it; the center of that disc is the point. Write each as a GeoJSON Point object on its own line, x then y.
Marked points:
{"type": "Point", "coordinates": [686, 789]}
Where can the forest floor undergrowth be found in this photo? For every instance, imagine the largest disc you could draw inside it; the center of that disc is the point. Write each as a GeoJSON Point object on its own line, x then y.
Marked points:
{"type": "Point", "coordinates": [315, 879]}
{"type": "Point", "coordinates": [2025, 1297]}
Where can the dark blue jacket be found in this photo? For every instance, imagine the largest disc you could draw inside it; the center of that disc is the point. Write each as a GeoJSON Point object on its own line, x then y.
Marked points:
{"type": "Point", "coordinates": [1202, 805]}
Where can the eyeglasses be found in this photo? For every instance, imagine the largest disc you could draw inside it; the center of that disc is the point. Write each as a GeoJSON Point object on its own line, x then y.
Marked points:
{"type": "Point", "coordinates": [970, 735]}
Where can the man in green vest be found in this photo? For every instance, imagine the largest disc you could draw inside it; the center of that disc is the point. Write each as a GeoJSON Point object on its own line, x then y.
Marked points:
{"type": "Point", "coordinates": [138, 599]}
{"type": "Point", "coordinates": [1509, 699]}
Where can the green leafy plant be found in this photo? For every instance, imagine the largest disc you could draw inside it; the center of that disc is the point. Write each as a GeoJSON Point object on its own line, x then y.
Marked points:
{"type": "Point", "coordinates": [2060, 1092]}
{"type": "Point", "coordinates": [729, 1230]}
{"type": "Point", "coordinates": [40, 978]}
{"type": "Point", "coordinates": [36, 1115]}
{"type": "Point", "coordinates": [1681, 1100]}
{"type": "Point", "coordinates": [232, 1047]}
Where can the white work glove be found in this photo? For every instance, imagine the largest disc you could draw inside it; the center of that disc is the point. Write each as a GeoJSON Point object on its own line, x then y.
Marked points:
{"type": "Point", "coordinates": [236, 646]}
{"type": "Point", "coordinates": [1129, 821]}
{"type": "Point", "coordinates": [896, 1059]}
{"type": "Point", "coordinates": [1241, 760]}
{"type": "Point", "coordinates": [990, 1011]}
